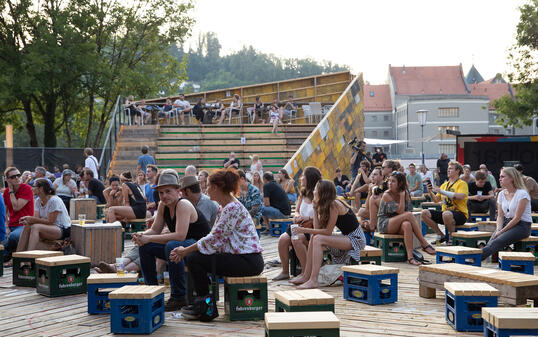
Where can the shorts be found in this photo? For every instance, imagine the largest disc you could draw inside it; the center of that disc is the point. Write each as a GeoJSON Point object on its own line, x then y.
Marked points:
{"type": "Point", "coordinates": [133, 255]}
{"type": "Point", "coordinates": [459, 217]}
{"type": "Point", "coordinates": [66, 232]}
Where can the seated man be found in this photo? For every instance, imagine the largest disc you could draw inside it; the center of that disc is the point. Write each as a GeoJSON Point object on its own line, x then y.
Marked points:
{"type": "Point", "coordinates": [481, 197]}
{"type": "Point", "coordinates": [231, 162]}
{"type": "Point", "coordinates": [414, 181]}
{"type": "Point", "coordinates": [182, 107]}
{"type": "Point", "coordinates": [93, 187]}
{"type": "Point", "coordinates": [276, 204]}
{"type": "Point", "coordinates": [532, 188]}
{"type": "Point", "coordinates": [490, 178]}
{"type": "Point", "coordinates": [190, 189]}
{"type": "Point", "coordinates": [453, 193]}
{"type": "Point", "coordinates": [289, 108]}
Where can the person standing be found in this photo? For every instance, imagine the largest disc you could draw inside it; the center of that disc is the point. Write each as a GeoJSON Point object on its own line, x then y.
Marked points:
{"type": "Point", "coordinates": [91, 162]}
{"type": "Point", "coordinates": [359, 154]}
{"type": "Point", "coordinates": [19, 201]}
{"type": "Point", "coordinates": [144, 159]}
{"type": "Point", "coordinates": [442, 167]}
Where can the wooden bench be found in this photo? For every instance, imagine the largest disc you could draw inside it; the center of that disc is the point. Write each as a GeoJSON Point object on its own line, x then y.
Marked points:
{"type": "Point", "coordinates": [515, 288]}
{"type": "Point", "coordinates": [504, 322]}
{"type": "Point", "coordinates": [312, 323]}
{"type": "Point", "coordinates": [534, 229]}
{"type": "Point", "coordinates": [431, 205]}
{"type": "Point", "coordinates": [303, 300]}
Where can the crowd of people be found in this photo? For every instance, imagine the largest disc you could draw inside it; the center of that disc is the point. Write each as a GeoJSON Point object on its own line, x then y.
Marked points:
{"type": "Point", "coordinates": [208, 221]}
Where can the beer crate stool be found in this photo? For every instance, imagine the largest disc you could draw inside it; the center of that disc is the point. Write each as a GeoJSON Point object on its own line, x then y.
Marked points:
{"type": "Point", "coordinates": [519, 262]}
{"type": "Point", "coordinates": [534, 217]}
{"type": "Point", "coordinates": [473, 239]}
{"type": "Point", "coordinates": [528, 245]}
{"type": "Point", "coordinates": [24, 271]}
{"type": "Point", "coordinates": [369, 255]}
{"type": "Point", "coordinates": [534, 229]}
{"type": "Point", "coordinates": [100, 211]}
{"type": "Point", "coordinates": [458, 254]}
{"type": "Point", "coordinates": [245, 298]}
{"type": "Point", "coordinates": [475, 217]}
{"type": "Point", "coordinates": [100, 285]}
{"type": "Point", "coordinates": [100, 242]}
{"type": "Point", "coordinates": [134, 226]}
{"type": "Point", "coordinates": [86, 206]}
{"type": "Point", "coordinates": [2, 260]}
{"type": "Point", "coordinates": [279, 226]}
{"type": "Point", "coordinates": [62, 275]}
{"type": "Point", "coordinates": [464, 302]}
{"type": "Point", "coordinates": [136, 309]}
{"type": "Point", "coordinates": [299, 324]}
{"type": "Point", "coordinates": [371, 284]}
{"type": "Point", "coordinates": [303, 300]}
{"type": "Point", "coordinates": [505, 322]}
{"type": "Point", "coordinates": [392, 246]}
{"type": "Point", "coordinates": [468, 227]}
{"type": "Point", "coordinates": [486, 226]}
{"type": "Point", "coordinates": [417, 201]}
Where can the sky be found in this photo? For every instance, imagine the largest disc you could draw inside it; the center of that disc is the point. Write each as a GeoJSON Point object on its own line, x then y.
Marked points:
{"type": "Point", "coordinates": [368, 35]}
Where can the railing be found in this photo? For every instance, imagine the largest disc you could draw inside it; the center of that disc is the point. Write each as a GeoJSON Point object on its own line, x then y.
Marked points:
{"type": "Point", "coordinates": [116, 120]}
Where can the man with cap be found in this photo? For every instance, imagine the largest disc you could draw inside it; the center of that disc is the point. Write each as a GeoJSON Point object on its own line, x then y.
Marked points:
{"type": "Point", "coordinates": [190, 188]}
{"type": "Point", "coordinates": [186, 224]}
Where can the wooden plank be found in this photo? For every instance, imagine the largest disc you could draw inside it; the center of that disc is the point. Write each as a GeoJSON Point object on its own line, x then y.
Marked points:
{"type": "Point", "coordinates": [301, 320]}
{"type": "Point", "coordinates": [37, 253]}
{"type": "Point", "coordinates": [112, 278]}
{"type": "Point", "coordinates": [471, 289]}
{"type": "Point", "coordinates": [512, 318]}
{"type": "Point", "coordinates": [62, 260]}
{"type": "Point", "coordinates": [138, 292]}
{"type": "Point", "coordinates": [458, 250]}
{"type": "Point", "coordinates": [517, 256]}
{"type": "Point", "coordinates": [471, 234]}
{"type": "Point", "coordinates": [370, 269]}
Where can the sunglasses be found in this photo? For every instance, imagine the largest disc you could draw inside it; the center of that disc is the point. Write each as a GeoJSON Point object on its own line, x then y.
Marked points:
{"type": "Point", "coordinates": [14, 176]}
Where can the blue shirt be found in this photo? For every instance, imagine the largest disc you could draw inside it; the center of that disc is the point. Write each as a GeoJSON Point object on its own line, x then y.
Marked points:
{"type": "Point", "coordinates": [252, 198]}
{"type": "Point", "coordinates": [149, 192]}
{"type": "Point", "coordinates": [145, 159]}
{"type": "Point", "coordinates": [2, 219]}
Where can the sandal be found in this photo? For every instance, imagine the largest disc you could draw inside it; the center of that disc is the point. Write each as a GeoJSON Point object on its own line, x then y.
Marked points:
{"type": "Point", "coordinates": [414, 262]}
{"type": "Point", "coordinates": [428, 249]}
{"type": "Point", "coordinates": [439, 241]}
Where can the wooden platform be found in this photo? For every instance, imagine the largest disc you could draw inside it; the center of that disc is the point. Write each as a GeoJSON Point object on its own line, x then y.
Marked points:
{"type": "Point", "coordinates": [25, 313]}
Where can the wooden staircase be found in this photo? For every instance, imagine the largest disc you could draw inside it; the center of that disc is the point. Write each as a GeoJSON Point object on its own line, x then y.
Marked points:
{"type": "Point", "coordinates": [207, 146]}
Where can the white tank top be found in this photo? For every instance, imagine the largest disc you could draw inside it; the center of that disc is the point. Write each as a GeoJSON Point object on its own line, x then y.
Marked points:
{"type": "Point", "coordinates": [306, 209]}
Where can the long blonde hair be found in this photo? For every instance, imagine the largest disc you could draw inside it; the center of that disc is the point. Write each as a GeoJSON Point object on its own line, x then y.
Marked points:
{"type": "Point", "coordinates": [516, 177]}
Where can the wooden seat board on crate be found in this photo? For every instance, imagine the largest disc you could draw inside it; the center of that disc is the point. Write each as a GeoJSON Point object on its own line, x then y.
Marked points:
{"type": "Point", "coordinates": [301, 320]}
{"type": "Point", "coordinates": [244, 280]}
{"type": "Point", "coordinates": [37, 253]}
{"type": "Point", "coordinates": [62, 260]}
{"type": "Point", "coordinates": [112, 278]}
{"type": "Point", "coordinates": [370, 269]}
{"type": "Point", "coordinates": [430, 204]}
{"type": "Point", "coordinates": [486, 226]}
{"type": "Point", "coordinates": [138, 292]}
{"type": "Point", "coordinates": [471, 289]}
{"type": "Point", "coordinates": [458, 250]}
{"type": "Point", "coordinates": [471, 234]}
{"type": "Point", "coordinates": [511, 318]}
{"type": "Point", "coordinates": [371, 251]}
{"type": "Point", "coordinates": [389, 236]}
{"type": "Point", "coordinates": [76, 222]}
{"type": "Point", "coordinates": [534, 227]}
{"type": "Point", "coordinates": [467, 226]}
{"type": "Point", "coordinates": [517, 256]}
{"type": "Point", "coordinates": [530, 239]}
{"type": "Point", "coordinates": [304, 297]}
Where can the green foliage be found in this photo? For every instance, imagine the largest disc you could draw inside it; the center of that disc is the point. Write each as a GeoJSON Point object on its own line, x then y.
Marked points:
{"type": "Point", "coordinates": [523, 58]}
{"type": "Point", "coordinates": [246, 66]}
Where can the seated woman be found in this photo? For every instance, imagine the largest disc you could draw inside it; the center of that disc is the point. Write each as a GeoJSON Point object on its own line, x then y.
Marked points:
{"type": "Point", "coordinates": [202, 178]}
{"type": "Point", "coordinates": [50, 222]}
{"type": "Point", "coordinates": [308, 180]}
{"type": "Point", "coordinates": [186, 224]}
{"type": "Point", "coordinates": [132, 196]}
{"type": "Point", "coordinates": [257, 181]}
{"type": "Point", "coordinates": [250, 196]}
{"type": "Point", "coordinates": [328, 213]}
{"type": "Point", "coordinates": [287, 184]}
{"type": "Point", "coordinates": [142, 181]}
{"type": "Point", "coordinates": [219, 109]}
{"type": "Point", "coordinates": [231, 249]}
{"type": "Point", "coordinates": [274, 118]}
{"type": "Point", "coordinates": [513, 212]}
{"type": "Point", "coordinates": [134, 112]}
{"type": "Point", "coordinates": [65, 187]}
{"type": "Point", "coordinates": [113, 193]}
{"type": "Point", "coordinates": [200, 110]}
{"type": "Point", "coordinates": [395, 216]}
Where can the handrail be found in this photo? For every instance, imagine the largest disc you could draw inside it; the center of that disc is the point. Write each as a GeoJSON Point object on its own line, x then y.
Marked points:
{"type": "Point", "coordinates": [113, 124]}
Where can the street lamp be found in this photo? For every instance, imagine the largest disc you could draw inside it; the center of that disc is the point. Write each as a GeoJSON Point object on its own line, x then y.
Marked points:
{"type": "Point", "coordinates": [422, 120]}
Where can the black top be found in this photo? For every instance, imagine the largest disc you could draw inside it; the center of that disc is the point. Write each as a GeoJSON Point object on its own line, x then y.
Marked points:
{"type": "Point", "coordinates": [442, 164]}
{"type": "Point", "coordinates": [197, 229]}
{"type": "Point", "coordinates": [136, 199]}
{"type": "Point", "coordinates": [97, 188]}
{"type": "Point", "coordinates": [347, 223]}
{"type": "Point", "coordinates": [198, 111]}
{"type": "Point", "coordinates": [357, 164]}
{"type": "Point", "coordinates": [339, 182]}
{"type": "Point", "coordinates": [233, 162]}
{"type": "Point", "coordinates": [473, 189]}
{"type": "Point", "coordinates": [277, 197]}
{"type": "Point", "coordinates": [379, 157]}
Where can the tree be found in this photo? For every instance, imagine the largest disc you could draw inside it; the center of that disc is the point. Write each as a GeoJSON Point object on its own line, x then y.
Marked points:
{"type": "Point", "coordinates": [523, 58]}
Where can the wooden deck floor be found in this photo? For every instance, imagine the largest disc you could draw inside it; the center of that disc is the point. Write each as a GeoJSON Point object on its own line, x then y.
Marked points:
{"type": "Point", "coordinates": [25, 313]}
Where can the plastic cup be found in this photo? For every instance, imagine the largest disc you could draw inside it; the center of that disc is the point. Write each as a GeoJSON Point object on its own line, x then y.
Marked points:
{"type": "Point", "coordinates": [166, 278]}
{"type": "Point", "coordinates": [294, 234]}
{"type": "Point", "coordinates": [82, 219]}
{"type": "Point", "coordinates": [120, 266]}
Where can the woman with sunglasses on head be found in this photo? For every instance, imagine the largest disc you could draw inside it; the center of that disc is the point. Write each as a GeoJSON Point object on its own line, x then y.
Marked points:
{"type": "Point", "coordinates": [51, 220]}
{"type": "Point", "coordinates": [329, 213]}
{"type": "Point", "coordinates": [132, 196]}
{"type": "Point", "coordinates": [395, 216]}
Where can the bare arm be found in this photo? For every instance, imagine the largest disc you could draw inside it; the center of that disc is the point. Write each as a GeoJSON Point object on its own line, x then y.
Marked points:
{"type": "Point", "coordinates": [328, 230]}
{"type": "Point", "coordinates": [17, 203]}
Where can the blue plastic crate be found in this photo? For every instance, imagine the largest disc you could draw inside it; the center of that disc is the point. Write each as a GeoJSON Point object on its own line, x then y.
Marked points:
{"type": "Point", "coordinates": [468, 259]}
{"type": "Point", "coordinates": [369, 238]}
{"type": "Point", "coordinates": [525, 267]}
{"type": "Point", "coordinates": [136, 316]}
{"type": "Point", "coordinates": [476, 218]}
{"type": "Point", "coordinates": [98, 302]}
{"type": "Point", "coordinates": [490, 330]}
{"type": "Point", "coordinates": [371, 289]}
{"type": "Point", "coordinates": [279, 226]}
{"type": "Point", "coordinates": [464, 313]}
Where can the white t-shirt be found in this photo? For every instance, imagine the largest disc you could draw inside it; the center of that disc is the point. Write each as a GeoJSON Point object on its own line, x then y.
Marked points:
{"type": "Point", "coordinates": [54, 204]}
{"type": "Point", "coordinates": [509, 206]}
{"type": "Point", "coordinates": [427, 175]}
{"type": "Point", "coordinates": [62, 189]}
{"type": "Point", "coordinates": [306, 209]}
{"type": "Point", "coordinates": [91, 163]}
{"type": "Point", "coordinates": [182, 104]}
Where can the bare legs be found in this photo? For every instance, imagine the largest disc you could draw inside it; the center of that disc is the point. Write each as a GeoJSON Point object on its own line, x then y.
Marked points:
{"type": "Point", "coordinates": [119, 212]}
{"type": "Point", "coordinates": [32, 233]}
{"type": "Point", "coordinates": [448, 220]}
{"type": "Point", "coordinates": [407, 225]}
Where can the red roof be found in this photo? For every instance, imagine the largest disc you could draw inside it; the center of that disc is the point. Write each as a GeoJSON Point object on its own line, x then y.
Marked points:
{"type": "Point", "coordinates": [492, 90]}
{"type": "Point", "coordinates": [446, 80]}
{"type": "Point", "coordinates": [380, 101]}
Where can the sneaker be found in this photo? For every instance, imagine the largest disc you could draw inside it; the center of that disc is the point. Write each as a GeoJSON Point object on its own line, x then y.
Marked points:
{"type": "Point", "coordinates": [174, 304]}
{"type": "Point", "coordinates": [190, 312]}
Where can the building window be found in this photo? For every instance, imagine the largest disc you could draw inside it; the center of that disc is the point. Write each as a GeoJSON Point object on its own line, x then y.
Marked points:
{"type": "Point", "coordinates": [374, 134]}
{"type": "Point", "coordinates": [447, 148]}
{"type": "Point", "coordinates": [443, 134]}
{"type": "Point", "coordinates": [496, 131]}
{"type": "Point", "coordinates": [385, 118]}
{"type": "Point", "coordinates": [385, 133]}
{"type": "Point", "coordinates": [374, 118]}
{"type": "Point", "coordinates": [449, 112]}
{"type": "Point", "coordinates": [371, 94]}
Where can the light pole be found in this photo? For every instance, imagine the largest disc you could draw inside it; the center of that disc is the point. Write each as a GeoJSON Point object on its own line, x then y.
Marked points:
{"type": "Point", "coordinates": [422, 120]}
